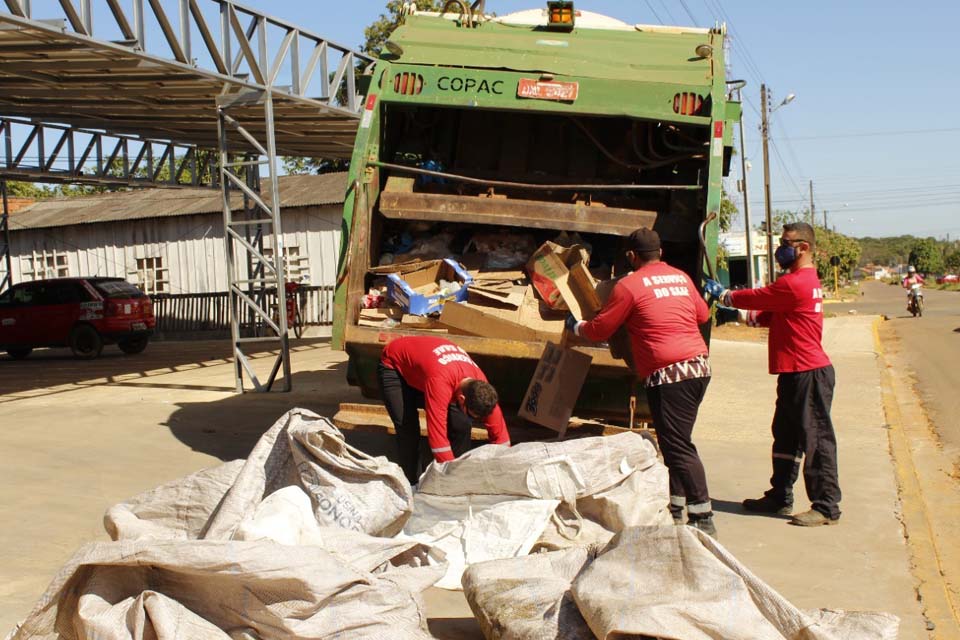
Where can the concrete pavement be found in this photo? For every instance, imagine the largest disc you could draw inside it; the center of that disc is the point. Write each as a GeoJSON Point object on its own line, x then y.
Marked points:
{"type": "Point", "coordinates": [79, 437]}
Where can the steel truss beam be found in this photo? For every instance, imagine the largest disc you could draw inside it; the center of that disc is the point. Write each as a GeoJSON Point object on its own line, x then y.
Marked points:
{"type": "Point", "coordinates": [56, 153]}
{"type": "Point", "coordinates": [70, 68]}
{"type": "Point", "coordinates": [255, 276]}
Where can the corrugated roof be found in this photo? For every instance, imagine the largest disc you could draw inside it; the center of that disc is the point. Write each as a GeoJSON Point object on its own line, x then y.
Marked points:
{"type": "Point", "coordinates": [295, 191]}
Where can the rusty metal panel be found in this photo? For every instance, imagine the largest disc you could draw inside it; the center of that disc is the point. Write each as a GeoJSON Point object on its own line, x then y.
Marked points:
{"type": "Point", "coordinates": [514, 213]}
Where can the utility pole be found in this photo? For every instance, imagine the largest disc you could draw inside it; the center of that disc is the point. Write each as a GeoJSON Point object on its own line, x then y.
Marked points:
{"type": "Point", "coordinates": [751, 279]}
{"type": "Point", "coordinates": [825, 219]}
{"type": "Point", "coordinates": [813, 210]}
{"type": "Point", "coordinates": [765, 133]}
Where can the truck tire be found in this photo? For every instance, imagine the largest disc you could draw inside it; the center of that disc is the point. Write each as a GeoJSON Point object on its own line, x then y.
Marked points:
{"type": "Point", "coordinates": [19, 353]}
{"type": "Point", "coordinates": [85, 342]}
{"type": "Point", "coordinates": [134, 345]}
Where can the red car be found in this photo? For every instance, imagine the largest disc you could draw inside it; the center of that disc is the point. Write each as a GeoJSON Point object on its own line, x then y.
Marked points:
{"type": "Point", "coordinates": [80, 313]}
{"type": "Point", "coordinates": [949, 278]}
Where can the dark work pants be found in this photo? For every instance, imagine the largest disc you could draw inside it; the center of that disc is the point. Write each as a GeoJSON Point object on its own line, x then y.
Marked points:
{"type": "Point", "coordinates": [803, 431]}
{"type": "Point", "coordinates": [402, 402]}
{"type": "Point", "coordinates": [674, 409]}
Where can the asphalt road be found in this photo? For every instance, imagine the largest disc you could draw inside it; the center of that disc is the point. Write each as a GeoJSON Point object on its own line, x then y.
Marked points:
{"type": "Point", "coordinates": [931, 345]}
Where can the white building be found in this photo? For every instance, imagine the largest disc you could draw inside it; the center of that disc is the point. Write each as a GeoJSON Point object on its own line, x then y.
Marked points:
{"type": "Point", "coordinates": [170, 241]}
{"type": "Point", "coordinates": [735, 244]}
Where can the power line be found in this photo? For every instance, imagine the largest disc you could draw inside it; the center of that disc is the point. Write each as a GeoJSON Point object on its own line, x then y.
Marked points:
{"type": "Point", "coordinates": [669, 13]}
{"type": "Point", "coordinates": [683, 3]}
{"type": "Point", "coordinates": [870, 134]}
{"type": "Point", "coordinates": [654, 12]}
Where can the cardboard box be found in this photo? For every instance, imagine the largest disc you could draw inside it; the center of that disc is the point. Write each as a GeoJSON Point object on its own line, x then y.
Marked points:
{"type": "Point", "coordinates": [376, 317]}
{"type": "Point", "coordinates": [560, 276]}
{"type": "Point", "coordinates": [418, 292]}
{"type": "Point", "coordinates": [470, 320]}
{"type": "Point", "coordinates": [555, 386]}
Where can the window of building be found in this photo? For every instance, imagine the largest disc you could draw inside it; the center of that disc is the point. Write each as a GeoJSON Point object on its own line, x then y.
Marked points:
{"type": "Point", "coordinates": [297, 266]}
{"type": "Point", "coordinates": [152, 276]}
{"type": "Point", "coordinates": [43, 265]}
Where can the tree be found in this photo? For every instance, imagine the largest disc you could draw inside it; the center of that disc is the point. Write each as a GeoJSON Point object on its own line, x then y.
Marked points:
{"type": "Point", "coordinates": [728, 211]}
{"type": "Point", "coordinates": [926, 256]}
{"type": "Point", "coordinates": [375, 35]}
{"type": "Point", "coordinates": [952, 261]}
{"type": "Point", "coordinates": [830, 244]}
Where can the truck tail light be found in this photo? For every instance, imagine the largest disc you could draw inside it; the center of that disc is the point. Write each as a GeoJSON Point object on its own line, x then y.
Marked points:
{"type": "Point", "coordinates": [560, 15]}
{"type": "Point", "coordinates": [687, 104]}
{"type": "Point", "coordinates": [407, 84]}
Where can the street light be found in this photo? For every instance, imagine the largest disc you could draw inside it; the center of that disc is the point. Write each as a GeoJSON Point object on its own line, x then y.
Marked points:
{"type": "Point", "coordinates": [765, 132]}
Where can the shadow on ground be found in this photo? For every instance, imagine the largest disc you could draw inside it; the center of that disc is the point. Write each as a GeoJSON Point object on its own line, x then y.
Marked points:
{"type": "Point", "coordinates": [52, 371]}
{"type": "Point", "coordinates": [230, 427]}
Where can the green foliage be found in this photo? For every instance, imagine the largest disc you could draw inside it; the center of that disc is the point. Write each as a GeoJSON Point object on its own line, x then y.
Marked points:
{"type": "Point", "coordinates": [381, 28]}
{"type": "Point", "coordinates": [728, 211]}
{"type": "Point", "coordinates": [926, 256]}
{"type": "Point", "coordinates": [831, 243]}
{"type": "Point", "coordinates": [888, 252]}
{"type": "Point", "coordinates": [952, 260]}
{"type": "Point", "coordinates": [374, 36]}
{"type": "Point", "coordinates": [17, 189]}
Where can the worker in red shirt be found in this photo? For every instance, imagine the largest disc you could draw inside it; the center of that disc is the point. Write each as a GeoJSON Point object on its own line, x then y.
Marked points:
{"type": "Point", "coordinates": [802, 429]}
{"type": "Point", "coordinates": [438, 375]}
{"type": "Point", "coordinates": [662, 310]}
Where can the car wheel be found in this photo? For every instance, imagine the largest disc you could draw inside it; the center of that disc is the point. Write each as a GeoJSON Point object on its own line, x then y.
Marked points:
{"type": "Point", "coordinates": [133, 345]}
{"type": "Point", "coordinates": [85, 342]}
{"type": "Point", "coordinates": [19, 353]}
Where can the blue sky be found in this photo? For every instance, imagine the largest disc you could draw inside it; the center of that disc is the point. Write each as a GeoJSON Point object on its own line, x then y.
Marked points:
{"type": "Point", "coordinates": [857, 67]}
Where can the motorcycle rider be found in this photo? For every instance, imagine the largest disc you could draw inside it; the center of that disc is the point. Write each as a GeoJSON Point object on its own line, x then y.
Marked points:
{"type": "Point", "coordinates": [913, 278]}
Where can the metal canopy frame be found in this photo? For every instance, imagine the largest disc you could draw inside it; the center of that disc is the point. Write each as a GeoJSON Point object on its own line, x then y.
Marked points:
{"type": "Point", "coordinates": [103, 104]}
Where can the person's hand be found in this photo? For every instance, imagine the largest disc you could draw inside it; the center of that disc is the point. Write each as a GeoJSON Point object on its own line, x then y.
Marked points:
{"type": "Point", "coordinates": [727, 314]}
{"type": "Point", "coordinates": [714, 289]}
{"type": "Point", "coordinates": [570, 324]}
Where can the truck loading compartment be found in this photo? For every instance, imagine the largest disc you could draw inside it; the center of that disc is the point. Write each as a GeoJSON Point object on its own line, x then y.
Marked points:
{"type": "Point", "coordinates": [437, 159]}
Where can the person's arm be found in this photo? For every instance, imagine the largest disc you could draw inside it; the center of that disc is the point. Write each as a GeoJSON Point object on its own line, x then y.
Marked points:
{"type": "Point", "coordinates": [613, 314]}
{"type": "Point", "coordinates": [776, 297]}
{"type": "Point", "coordinates": [757, 318]}
{"type": "Point", "coordinates": [920, 279]}
{"type": "Point", "coordinates": [437, 400]}
{"type": "Point", "coordinates": [703, 311]}
{"type": "Point", "coordinates": [496, 427]}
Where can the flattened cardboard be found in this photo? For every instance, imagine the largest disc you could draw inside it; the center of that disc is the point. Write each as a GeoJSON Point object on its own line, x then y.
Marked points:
{"type": "Point", "coordinates": [375, 317]}
{"type": "Point", "coordinates": [555, 386]}
{"type": "Point", "coordinates": [511, 296]}
{"type": "Point", "coordinates": [470, 320]}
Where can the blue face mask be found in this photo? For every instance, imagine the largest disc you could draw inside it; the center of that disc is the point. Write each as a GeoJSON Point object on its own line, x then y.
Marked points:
{"type": "Point", "coordinates": [785, 255]}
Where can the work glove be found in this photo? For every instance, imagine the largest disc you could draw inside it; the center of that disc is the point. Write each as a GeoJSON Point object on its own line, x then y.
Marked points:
{"type": "Point", "coordinates": [715, 289]}
{"type": "Point", "coordinates": [571, 324]}
{"type": "Point", "coordinates": [727, 314]}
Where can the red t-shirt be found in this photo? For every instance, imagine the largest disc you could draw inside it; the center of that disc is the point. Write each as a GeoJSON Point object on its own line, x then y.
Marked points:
{"type": "Point", "coordinates": [662, 310]}
{"type": "Point", "coordinates": [793, 309]}
{"type": "Point", "coordinates": [912, 280]}
{"type": "Point", "coordinates": [437, 367]}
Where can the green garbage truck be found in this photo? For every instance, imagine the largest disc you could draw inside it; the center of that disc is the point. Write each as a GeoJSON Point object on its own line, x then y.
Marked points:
{"type": "Point", "coordinates": [535, 126]}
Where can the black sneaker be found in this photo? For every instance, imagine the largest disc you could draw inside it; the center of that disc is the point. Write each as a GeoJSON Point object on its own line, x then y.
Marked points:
{"type": "Point", "coordinates": [766, 504]}
{"type": "Point", "coordinates": [706, 525]}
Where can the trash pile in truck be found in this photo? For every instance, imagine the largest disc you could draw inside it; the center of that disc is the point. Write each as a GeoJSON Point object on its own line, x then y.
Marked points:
{"type": "Point", "coordinates": [311, 538]}
{"type": "Point", "coordinates": [504, 284]}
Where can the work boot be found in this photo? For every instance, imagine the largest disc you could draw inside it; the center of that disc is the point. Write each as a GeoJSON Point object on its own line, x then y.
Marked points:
{"type": "Point", "coordinates": [766, 504]}
{"type": "Point", "coordinates": [812, 518]}
{"type": "Point", "coordinates": [704, 524]}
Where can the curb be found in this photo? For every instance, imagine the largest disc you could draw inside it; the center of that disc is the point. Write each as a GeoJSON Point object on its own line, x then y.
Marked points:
{"type": "Point", "coordinates": [939, 611]}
